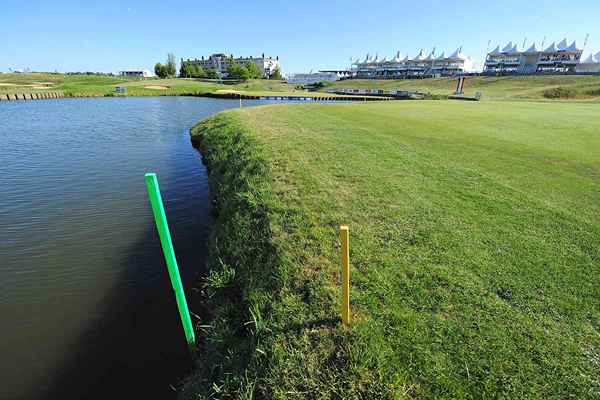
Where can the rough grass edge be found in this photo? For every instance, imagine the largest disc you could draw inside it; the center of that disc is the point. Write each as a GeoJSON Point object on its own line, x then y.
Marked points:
{"type": "Point", "coordinates": [244, 266]}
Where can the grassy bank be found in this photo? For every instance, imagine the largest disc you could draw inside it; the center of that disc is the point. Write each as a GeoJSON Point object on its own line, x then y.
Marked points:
{"type": "Point", "coordinates": [83, 85]}
{"type": "Point", "coordinates": [550, 88]}
{"type": "Point", "coordinates": [475, 251]}
{"type": "Point", "coordinates": [570, 87]}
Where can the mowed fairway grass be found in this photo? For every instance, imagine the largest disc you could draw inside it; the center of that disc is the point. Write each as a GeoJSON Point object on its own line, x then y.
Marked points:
{"type": "Point", "coordinates": [475, 251]}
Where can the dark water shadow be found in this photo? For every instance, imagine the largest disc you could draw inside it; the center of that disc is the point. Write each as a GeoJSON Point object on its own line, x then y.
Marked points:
{"type": "Point", "coordinates": [135, 347]}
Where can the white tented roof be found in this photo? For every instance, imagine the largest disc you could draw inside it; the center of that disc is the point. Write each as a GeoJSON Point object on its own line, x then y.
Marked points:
{"type": "Point", "coordinates": [430, 57]}
{"type": "Point", "coordinates": [376, 59]}
{"type": "Point", "coordinates": [496, 51]}
{"type": "Point", "coordinates": [551, 49]}
{"type": "Point", "coordinates": [598, 56]}
{"type": "Point", "coordinates": [407, 58]}
{"type": "Point", "coordinates": [458, 55]}
{"type": "Point", "coordinates": [442, 56]}
{"type": "Point", "coordinates": [562, 45]}
{"type": "Point", "coordinates": [532, 49]}
{"type": "Point", "coordinates": [590, 59]}
{"type": "Point", "coordinates": [398, 57]}
{"type": "Point", "coordinates": [573, 47]}
{"type": "Point", "coordinates": [420, 56]}
{"type": "Point", "coordinates": [508, 47]}
{"type": "Point", "coordinates": [384, 59]}
{"type": "Point", "coordinates": [514, 50]}
{"type": "Point", "coordinates": [367, 59]}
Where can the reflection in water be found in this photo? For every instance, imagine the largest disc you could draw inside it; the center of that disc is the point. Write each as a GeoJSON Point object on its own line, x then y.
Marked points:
{"type": "Point", "coordinates": [86, 306]}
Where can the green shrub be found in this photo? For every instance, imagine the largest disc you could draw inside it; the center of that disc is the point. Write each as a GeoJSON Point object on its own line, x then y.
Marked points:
{"type": "Point", "coordinates": [593, 92]}
{"type": "Point", "coordinates": [560, 93]}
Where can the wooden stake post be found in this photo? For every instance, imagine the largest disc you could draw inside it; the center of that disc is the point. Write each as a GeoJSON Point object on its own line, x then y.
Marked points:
{"type": "Point", "coordinates": [344, 238]}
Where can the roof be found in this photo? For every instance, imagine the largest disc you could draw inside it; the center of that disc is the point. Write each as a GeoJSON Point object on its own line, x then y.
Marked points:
{"type": "Point", "coordinates": [590, 59]}
{"type": "Point", "coordinates": [458, 55]}
{"type": "Point", "coordinates": [508, 47]}
{"type": "Point", "coordinates": [430, 57]}
{"type": "Point", "coordinates": [420, 56]}
{"type": "Point", "coordinates": [367, 58]}
{"type": "Point", "coordinates": [398, 57]}
{"type": "Point", "coordinates": [562, 45]}
{"type": "Point", "coordinates": [573, 47]}
{"type": "Point", "coordinates": [532, 49]}
{"type": "Point", "coordinates": [496, 51]}
{"type": "Point", "coordinates": [442, 56]}
{"type": "Point", "coordinates": [551, 49]}
{"type": "Point", "coordinates": [514, 50]}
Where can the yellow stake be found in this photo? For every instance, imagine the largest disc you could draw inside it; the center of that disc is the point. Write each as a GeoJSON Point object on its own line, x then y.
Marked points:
{"type": "Point", "coordinates": [344, 237]}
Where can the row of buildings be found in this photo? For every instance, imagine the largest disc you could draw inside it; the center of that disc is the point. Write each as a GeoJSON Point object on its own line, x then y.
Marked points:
{"type": "Point", "coordinates": [558, 58]}
{"type": "Point", "coordinates": [561, 57]}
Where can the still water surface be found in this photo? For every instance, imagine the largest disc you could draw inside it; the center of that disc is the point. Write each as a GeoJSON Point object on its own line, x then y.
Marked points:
{"type": "Point", "coordinates": [86, 308]}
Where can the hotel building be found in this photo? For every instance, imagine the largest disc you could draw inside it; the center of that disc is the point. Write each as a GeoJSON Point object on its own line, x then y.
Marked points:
{"type": "Point", "coordinates": [421, 65]}
{"type": "Point", "coordinates": [555, 58]}
{"type": "Point", "coordinates": [221, 62]}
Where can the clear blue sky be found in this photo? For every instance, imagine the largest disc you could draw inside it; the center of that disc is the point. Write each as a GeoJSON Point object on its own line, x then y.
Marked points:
{"type": "Point", "coordinates": [306, 34]}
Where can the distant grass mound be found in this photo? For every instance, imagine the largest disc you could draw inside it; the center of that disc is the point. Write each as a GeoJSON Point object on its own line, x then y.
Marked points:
{"type": "Point", "coordinates": [583, 87]}
{"type": "Point", "coordinates": [98, 85]}
{"type": "Point", "coordinates": [475, 251]}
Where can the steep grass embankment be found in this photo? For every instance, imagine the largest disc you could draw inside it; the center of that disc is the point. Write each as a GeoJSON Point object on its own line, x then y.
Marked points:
{"type": "Point", "coordinates": [257, 293]}
{"type": "Point", "coordinates": [475, 251]}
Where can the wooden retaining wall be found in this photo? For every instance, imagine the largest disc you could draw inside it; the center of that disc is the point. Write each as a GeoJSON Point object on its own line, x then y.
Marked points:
{"type": "Point", "coordinates": [31, 96]}
{"type": "Point", "coordinates": [324, 97]}
{"type": "Point", "coordinates": [235, 96]}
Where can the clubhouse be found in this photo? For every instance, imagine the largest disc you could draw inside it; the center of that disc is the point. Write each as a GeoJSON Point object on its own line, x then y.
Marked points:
{"type": "Point", "coordinates": [421, 65]}
{"type": "Point", "coordinates": [555, 58]}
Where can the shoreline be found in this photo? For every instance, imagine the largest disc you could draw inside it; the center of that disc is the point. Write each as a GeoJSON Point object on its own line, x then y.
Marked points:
{"type": "Point", "coordinates": [229, 96]}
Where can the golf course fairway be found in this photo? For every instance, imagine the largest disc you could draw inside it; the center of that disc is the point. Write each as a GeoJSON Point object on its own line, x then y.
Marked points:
{"type": "Point", "coordinates": [474, 251]}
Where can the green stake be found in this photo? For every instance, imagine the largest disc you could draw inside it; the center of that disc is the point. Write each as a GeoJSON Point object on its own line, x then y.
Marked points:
{"type": "Point", "coordinates": [167, 246]}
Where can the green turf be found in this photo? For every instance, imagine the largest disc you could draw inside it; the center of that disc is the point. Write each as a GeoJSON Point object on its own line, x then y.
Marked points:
{"type": "Point", "coordinates": [510, 87]}
{"type": "Point", "coordinates": [74, 85]}
{"type": "Point", "coordinates": [572, 88]}
{"type": "Point", "coordinates": [475, 251]}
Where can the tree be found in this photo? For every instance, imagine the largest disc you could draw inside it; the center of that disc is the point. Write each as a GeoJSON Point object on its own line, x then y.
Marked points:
{"type": "Point", "coordinates": [191, 70]}
{"type": "Point", "coordinates": [185, 70]}
{"type": "Point", "coordinates": [253, 71]}
{"type": "Point", "coordinates": [212, 74]}
{"type": "Point", "coordinates": [160, 70]}
{"type": "Point", "coordinates": [171, 65]}
{"type": "Point", "coordinates": [236, 71]}
{"type": "Point", "coordinates": [197, 71]}
{"type": "Point", "coordinates": [276, 74]}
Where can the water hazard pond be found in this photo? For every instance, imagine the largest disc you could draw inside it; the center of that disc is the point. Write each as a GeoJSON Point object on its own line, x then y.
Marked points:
{"type": "Point", "coordinates": [86, 307]}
